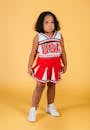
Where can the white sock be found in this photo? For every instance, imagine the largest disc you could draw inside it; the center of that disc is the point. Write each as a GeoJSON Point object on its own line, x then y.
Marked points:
{"type": "Point", "coordinates": [51, 104]}
{"type": "Point", "coordinates": [33, 108]}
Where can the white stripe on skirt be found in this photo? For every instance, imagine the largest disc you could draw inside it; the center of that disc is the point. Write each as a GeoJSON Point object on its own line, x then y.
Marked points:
{"type": "Point", "coordinates": [35, 70]}
{"type": "Point", "coordinates": [53, 74]}
{"type": "Point", "coordinates": [45, 74]}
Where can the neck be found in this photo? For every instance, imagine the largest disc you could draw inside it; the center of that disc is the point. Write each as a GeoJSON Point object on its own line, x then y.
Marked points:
{"type": "Point", "coordinates": [49, 33]}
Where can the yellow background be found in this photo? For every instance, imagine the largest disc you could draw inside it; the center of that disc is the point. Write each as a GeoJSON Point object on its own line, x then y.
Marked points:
{"type": "Point", "coordinates": [17, 19]}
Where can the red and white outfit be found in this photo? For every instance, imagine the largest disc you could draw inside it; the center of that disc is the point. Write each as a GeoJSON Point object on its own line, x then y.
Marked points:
{"type": "Point", "coordinates": [48, 64]}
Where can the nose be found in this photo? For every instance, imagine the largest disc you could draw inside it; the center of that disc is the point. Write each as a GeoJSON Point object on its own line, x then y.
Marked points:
{"type": "Point", "coordinates": [49, 25]}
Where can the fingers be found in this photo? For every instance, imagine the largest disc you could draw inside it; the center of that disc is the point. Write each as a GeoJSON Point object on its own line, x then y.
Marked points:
{"type": "Point", "coordinates": [30, 71]}
{"type": "Point", "coordinates": [63, 70]}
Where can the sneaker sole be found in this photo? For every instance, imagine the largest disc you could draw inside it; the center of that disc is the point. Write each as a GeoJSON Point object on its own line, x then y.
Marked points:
{"type": "Point", "coordinates": [52, 114]}
{"type": "Point", "coordinates": [31, 120]}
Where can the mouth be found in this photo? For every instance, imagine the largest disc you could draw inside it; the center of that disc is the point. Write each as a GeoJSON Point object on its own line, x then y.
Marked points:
{"type": "Point", "coordinates": [50, 28]}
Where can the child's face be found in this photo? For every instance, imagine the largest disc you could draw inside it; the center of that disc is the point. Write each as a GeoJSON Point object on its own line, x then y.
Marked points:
{"type": "Point", "coordinates": [48, 24]}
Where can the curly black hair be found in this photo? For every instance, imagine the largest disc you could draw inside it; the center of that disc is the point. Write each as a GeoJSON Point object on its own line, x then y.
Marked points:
{"type": "Point", "coordinates": [39, 22]}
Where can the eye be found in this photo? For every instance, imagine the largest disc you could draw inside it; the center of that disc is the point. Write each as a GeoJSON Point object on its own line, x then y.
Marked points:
{"type": "Point", "coordinates": [52, 22]}
{"type": "Point", "coordinates": [46, 22]}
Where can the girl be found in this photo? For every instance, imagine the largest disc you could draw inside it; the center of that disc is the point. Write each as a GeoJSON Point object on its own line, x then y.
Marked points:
{"type": "Point", "coordinates": [48, 43]}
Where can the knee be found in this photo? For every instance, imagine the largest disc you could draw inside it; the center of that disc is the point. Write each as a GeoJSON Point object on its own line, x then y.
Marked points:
{"type": "Point", "coordinates": [50, 85]}
{"type": "Point", "coordinates": [40, 86]}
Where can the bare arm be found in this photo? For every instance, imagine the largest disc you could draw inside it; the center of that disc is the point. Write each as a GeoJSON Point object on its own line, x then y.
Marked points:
{"type": "Point", "coordinates": [63, 55]}
{"type": "Point", "coordinates": [33, 51]}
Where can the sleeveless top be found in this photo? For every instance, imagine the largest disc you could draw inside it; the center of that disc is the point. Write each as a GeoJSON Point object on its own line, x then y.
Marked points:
{"type": "Point", "coordinates": [49, 46]}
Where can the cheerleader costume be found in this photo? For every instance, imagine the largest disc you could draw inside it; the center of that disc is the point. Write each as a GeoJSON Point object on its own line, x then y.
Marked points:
{"type": "Point", "coordinates": [48, 64]}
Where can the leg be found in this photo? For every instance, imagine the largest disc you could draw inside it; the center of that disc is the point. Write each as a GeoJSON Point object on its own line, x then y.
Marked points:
{"type": "Point", "coordinates": [35, 100]}
{"type": "Point", "coordinates": [50, 92]}
{"type": "Point", "coordinates": [50, 99]}
{"type": "Point", "coordinates": [37, 94]}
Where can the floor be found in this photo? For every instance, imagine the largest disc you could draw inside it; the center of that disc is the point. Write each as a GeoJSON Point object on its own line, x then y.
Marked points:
{"type": "Point", "coordinates": [15, 104]}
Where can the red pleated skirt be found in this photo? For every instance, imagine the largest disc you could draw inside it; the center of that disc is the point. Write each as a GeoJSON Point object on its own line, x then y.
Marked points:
{"type": "Point", "coordinates": [47, 69]}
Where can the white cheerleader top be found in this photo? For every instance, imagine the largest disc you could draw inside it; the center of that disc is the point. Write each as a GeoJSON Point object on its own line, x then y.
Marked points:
{"type": "Point", "coordinates": [49, 46]}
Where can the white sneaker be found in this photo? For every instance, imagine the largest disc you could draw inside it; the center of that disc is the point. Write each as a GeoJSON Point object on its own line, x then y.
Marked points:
{"type": "Point", "coordinates": [32, 114]}
{"type": "Point", "coordinates": [52, 110]}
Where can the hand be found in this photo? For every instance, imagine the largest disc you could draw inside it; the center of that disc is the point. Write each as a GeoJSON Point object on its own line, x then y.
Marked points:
{"type": "Point", "coordinates": [30, 71]}
{"type": "Point", "coordinates": [63, 69]}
